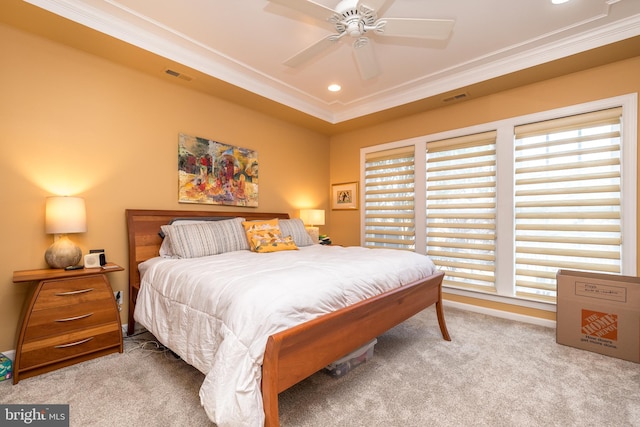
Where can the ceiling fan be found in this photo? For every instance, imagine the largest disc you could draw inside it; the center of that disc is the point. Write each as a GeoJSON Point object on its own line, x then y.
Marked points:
{"type": "Point", "coordinates": [359, 19]}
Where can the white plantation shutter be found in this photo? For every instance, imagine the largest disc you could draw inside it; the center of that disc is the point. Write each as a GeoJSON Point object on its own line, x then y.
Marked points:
{"type": "Point", "coordinates": [389, 199]}
{"type": "Point", "coordinates": [461, 209]}
{"type": "Point", "coordinates": [567, 199]}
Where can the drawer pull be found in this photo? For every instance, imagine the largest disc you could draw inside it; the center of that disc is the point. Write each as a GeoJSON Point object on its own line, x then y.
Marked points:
{"type": "Point", "coordinates": [69, 319]}
{"type": "Point", "coordinates": [81, 291]}
{"type": "Point", "coordinates": [74, 343]}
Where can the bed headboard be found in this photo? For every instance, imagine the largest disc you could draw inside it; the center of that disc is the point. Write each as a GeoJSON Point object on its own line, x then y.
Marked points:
{"type": "Point", "coordinates": [143, 227]}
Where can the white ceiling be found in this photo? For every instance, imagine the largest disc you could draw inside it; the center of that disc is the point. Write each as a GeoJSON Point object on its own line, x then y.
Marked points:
{"type": "Point", "coordinates": [245, 42]}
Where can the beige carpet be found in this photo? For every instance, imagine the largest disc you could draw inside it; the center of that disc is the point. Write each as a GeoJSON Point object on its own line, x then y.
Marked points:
{"type": "Point", "coordinates": [494, 373]}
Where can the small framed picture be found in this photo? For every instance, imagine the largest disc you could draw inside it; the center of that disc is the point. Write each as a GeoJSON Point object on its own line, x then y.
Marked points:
{"type": "Point", "coordinates": [344, 196]}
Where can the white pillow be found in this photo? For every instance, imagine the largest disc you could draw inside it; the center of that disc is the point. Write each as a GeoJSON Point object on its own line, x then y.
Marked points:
{"type": "Point", "coordinates": [204, 238]}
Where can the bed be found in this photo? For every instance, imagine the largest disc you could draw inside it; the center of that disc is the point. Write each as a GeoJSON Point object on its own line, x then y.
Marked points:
{"type": "Point", "coordinates": [297, 348]}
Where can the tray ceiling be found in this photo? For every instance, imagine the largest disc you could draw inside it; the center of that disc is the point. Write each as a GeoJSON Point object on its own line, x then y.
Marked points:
{"type": "Point", "coordinates": [244, 43]}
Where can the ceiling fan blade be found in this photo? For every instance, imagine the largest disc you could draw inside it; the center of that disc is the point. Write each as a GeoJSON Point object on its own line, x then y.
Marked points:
{"type": "Point", "coordinates": [365, 58]}
{"type": "Point", "coordinates": [373, 4]}
{"type": "Point", "coordinates": [308, 7]}
{"type": "Point", "coordinates": [436, 29]}
{"type": "Point", "coordinates": [313, 50]}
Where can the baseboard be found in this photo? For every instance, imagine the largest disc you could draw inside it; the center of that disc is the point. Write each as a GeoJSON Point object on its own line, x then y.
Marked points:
{"type": "Point", "coordinates": [138, 328]}
{"type": "Point", "coordinates": [502, 314]}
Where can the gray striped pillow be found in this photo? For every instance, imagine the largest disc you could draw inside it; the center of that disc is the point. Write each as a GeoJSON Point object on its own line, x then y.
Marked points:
{"type": "Point", "coordinates": [206, 238]}
{"type": "Point", "coordinates": [295, 228]}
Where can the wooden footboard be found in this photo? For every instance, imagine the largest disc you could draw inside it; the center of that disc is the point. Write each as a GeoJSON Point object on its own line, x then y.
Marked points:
{"type": "Point", "coordinates": [296, 353]}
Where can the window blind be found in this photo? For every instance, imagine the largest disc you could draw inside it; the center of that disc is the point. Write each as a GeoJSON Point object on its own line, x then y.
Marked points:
{"type": "Point", "coordinates": [461, 209]}
{"type": "Point", "coordinates": [567, 199]}
{"type": "Point", "coordinates": [389, 199]}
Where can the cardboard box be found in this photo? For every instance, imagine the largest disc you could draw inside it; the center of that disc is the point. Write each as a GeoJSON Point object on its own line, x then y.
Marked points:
{"type": "Point", "coordinates": [599, 313]}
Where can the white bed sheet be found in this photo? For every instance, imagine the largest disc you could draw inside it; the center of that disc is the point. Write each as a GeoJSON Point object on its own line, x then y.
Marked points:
{"type": "Point", "coordinates": [217, 312]}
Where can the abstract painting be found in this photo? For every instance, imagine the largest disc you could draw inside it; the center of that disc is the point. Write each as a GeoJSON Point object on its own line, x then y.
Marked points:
{"type": "Point", "coordinates": [211, 172]}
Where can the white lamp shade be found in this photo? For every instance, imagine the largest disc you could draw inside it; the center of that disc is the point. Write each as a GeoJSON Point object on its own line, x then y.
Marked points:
{"type": "Point", "coordinates": [65, 215]}
{"type": "Point", "coordinates": [312, 216]}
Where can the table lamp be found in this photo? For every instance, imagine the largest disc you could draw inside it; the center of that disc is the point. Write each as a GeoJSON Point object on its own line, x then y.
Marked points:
{"type": "Point", "coordinates": [64, 215]}
{"type": "Point", "coordinates": [311, 218]}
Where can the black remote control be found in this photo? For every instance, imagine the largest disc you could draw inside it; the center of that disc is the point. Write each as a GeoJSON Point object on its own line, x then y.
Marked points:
{"type": "Point", "coordinates": [74, 267]}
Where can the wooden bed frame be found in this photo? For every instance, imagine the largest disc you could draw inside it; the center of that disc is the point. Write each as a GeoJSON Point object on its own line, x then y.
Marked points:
{"type": "Point", "coordinates": [296, 353]}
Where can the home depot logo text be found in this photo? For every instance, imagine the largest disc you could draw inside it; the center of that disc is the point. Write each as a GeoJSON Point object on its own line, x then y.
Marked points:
{"type": "Point", "coordinates": [600, 325]}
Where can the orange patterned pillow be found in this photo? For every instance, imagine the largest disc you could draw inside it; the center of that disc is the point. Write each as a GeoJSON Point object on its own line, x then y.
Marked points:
{"type": "Point", "coordinates": [265, 236]}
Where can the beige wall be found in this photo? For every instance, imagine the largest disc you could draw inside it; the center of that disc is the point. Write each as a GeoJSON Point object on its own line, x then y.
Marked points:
{"type": "Point", "coordinates": [612, 80]}
{"type": "Point", "coordinates": [72, 123]}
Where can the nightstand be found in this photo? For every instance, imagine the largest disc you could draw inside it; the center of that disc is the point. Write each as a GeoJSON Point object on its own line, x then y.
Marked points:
{"type": "Point", "coordinates": [70, 316]}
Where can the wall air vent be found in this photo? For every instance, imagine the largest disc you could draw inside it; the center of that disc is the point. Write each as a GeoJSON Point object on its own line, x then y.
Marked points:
{"type": "Point", "coordinates": [457, 97]}
{"type": "Point", "coordinates": [178, 75]}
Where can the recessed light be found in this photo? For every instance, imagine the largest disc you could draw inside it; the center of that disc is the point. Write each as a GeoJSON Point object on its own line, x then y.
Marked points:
{"type": "Point", "coordinates": [559, 1]}
{"type": "Point", "coordinates": [334, 87]}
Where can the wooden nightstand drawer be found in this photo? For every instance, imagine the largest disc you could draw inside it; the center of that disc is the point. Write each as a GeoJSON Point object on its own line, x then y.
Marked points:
{"type": "Point", "coordinates": [45, 351]}
{"type": "Point", "coordinates": [62, 293]}
{"type": "Point", "coordinates": [60, 320]}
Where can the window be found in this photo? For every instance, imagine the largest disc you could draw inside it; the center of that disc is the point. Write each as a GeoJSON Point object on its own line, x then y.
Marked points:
{"type": "Point", "coordinates": [567, 199]}
{"type": "Point", "coordinates": [389, 199]}
{"type": "Point", "coordinates": [461, 209]}
{"type": "Point", "coordinates": [500, 207]}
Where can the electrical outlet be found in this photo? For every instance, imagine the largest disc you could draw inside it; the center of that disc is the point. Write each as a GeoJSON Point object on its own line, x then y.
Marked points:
{"type": "Point", "coordinates": [118, 296]}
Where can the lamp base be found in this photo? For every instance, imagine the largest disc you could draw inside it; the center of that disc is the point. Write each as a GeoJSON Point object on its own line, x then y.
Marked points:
{"type": "Point", "coordinates": [63, 253]}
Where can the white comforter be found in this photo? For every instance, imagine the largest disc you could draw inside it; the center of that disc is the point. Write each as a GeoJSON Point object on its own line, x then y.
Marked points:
{"type": "Point", "coordinates": [217, 312]}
